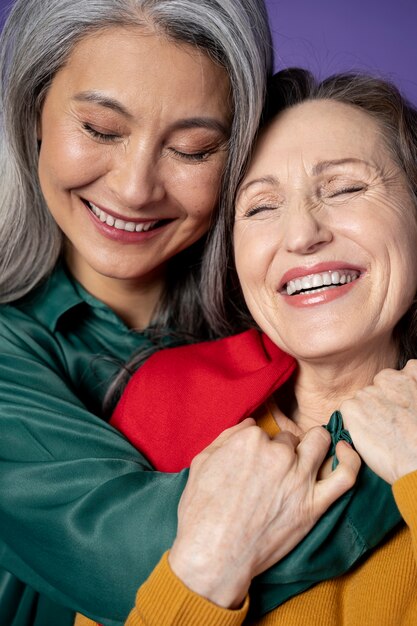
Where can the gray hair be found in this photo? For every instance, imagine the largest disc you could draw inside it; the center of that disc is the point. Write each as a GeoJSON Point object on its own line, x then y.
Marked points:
{"type": "Point", "coordinates": [397, 120]}
{"type": "Point", "coordinates": [36, 41]}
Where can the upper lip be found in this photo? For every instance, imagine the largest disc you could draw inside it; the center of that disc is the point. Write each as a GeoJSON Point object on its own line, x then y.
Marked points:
{"type": "Point", "coordinates": [135, 220]}
{"type": "Point", "coordinates": [318, 268]}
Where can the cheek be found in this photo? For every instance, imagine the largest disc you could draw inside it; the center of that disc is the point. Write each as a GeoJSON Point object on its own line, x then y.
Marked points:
{"type": "Point", "coordinates": [67, 160]}
{"type": "Point", "coordinates": [403, 259]}
{"type": "Point", "coordinates": [198, 191]}
{"type": "Point", "coordinates": [256, 249]}
{"type": "Point", "coordinates": [252, 269]}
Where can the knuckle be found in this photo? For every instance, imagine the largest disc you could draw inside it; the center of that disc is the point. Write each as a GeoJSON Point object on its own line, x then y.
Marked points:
{"type": "Point", "coordinates": [319, 434]}
{"type": "Point", "coordinates": [287, 438]}
{"type": "Point", "coordinates": [410, 368]}
{"type": "Point", "coordinates": [347, 476]}
{"type": "Point", "coordinates": [247, 438]}
{"type": "Point", "coordinates": [386, 376]}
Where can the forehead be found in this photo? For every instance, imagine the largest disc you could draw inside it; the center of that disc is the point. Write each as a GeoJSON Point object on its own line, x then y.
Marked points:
{"type": "Point", "coordinates": [320, 130]}
{"type": "Point", "coordinates": [134, 63]}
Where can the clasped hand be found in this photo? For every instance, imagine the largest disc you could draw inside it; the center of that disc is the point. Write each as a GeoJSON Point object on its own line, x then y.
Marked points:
{"type": "Point", "coordinates": [382, 421]}
{"type": "Point", "coordinates": [248, 502]}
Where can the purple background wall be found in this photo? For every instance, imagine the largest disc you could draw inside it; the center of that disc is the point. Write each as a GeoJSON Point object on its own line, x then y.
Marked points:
{"type": "Point", "coordinates": [332, 35]}
{"type": "Point", "coordinates": [328, 36]}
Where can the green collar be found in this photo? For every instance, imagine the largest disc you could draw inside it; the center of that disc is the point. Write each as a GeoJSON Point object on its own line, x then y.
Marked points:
{"type": "Point", "coordinates": [60, 294]}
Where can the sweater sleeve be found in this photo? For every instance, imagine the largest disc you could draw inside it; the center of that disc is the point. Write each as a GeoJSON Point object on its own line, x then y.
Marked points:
{"type": "Point", "coordinates": [405, 494]}
{"type": "Point", "coordinates": [164, 600]}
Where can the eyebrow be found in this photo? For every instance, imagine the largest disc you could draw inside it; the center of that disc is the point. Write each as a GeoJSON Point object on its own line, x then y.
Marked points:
{"type": "Point", "coordinates": [111, 103]}
{"type": "Point", "coordinates": [104, 101]}
{"type": "Point", "coordinates": [266, 180]}
{"type": "Point", "coordinates": [316, 170]}
{"type": "Point", "coordinates": [210, 123]}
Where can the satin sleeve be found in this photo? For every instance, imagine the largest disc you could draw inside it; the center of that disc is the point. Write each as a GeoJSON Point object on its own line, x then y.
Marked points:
{"type": "Point", "coordinates": [82, 519]}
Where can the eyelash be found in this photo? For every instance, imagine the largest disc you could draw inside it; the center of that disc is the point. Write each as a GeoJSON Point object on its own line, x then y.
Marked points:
{"type": "Point", "coordinates": [257, 209]}
{"type": "Point", "coordinates": [352, 189]}
{"type": "Point", "coordinates": [106, 137]}
{"type": "Point", "coordinates": [193, 156]}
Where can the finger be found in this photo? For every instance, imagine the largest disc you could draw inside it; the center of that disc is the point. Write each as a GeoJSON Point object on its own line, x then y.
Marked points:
{"type": "Point", "coordinates": [287, 438]}
{"type": "Point", "coordinates": [221, 440]}
{"type": "Point", "coordinates": [285, 423]}
{"type": "Point", "coordinates": [341, 479]}
{"type": "Point", "coordinates": [388, 380]}
{"type": "Point", "coordinates": [313, 448]}
{"type": "Point", "coordinates": [229, 432]}
{"type": "Point", "coordinates": [410, 369]}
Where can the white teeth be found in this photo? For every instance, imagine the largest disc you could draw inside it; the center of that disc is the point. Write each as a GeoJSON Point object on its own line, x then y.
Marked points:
{"type": "Point", "coordinates": [130, 227]}
{"type": "Point", "coordinates": [319, 282]}
{"type": "Point", "coordinates": [306, 282]}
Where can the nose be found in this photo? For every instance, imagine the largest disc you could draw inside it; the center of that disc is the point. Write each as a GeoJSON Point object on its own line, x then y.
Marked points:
{"type": "Point", "coordinates": [305, 229]}
{"type": "Point", "coordinates": [134, 177]}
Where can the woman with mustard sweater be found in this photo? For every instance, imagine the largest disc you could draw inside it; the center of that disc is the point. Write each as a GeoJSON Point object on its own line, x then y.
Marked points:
{"type": "Point", "coordinates": [325, 250]}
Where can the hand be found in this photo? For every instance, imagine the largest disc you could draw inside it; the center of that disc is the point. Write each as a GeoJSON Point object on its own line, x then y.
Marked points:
{"type": "Point", "coordinates": [249, 500]}
{"type": "Point", "coordinates": [284, 422]}
{"type": "Point", "coordinates": [382, 421]}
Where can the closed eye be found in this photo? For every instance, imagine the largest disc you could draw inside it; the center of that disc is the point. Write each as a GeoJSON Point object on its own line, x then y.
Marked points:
{"type": "Point", "coordinates": [259, 209]}
{"type": "Point", "coordinates": [192, 156]}
{"type": "Point", "coordinates": [347, 190]}
{"type": "Point", "coordinates": [96, 134]}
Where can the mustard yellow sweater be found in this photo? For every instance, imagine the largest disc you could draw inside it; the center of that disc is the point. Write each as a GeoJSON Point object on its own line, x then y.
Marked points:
{"type": "Point", "coordinates": [382, 591]}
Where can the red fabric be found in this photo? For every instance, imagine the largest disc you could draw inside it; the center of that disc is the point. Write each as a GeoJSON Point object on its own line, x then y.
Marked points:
{"type": "Point", "coordinates": [181, 399]}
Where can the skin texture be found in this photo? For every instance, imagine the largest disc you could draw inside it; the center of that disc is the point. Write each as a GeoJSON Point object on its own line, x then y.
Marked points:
{"type": "Point", "coordinates": [297, 210]}
{"type": "Point", "coordinates": [137, 125]}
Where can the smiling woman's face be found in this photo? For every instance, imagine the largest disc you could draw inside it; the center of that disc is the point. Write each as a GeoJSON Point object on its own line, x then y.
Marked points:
{"type": "Point", "coordinates": [325, 234]}
{"type": "Point", "coordinates": [133, 132]}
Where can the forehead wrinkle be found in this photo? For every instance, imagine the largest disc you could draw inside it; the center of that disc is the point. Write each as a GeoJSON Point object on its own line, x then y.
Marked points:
{"type": "Point", "coordinates": [322, 166]}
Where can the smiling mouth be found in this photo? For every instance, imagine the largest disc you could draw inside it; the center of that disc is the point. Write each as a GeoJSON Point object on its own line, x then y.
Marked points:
{"type": "Point", "coordinates": [322, 281]}
{"type": "Point", "coordinates": [128, 226]}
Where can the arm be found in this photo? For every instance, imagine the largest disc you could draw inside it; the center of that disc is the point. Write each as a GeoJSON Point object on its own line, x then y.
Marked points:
{"type": "Point", "coordinates": [79, 507]}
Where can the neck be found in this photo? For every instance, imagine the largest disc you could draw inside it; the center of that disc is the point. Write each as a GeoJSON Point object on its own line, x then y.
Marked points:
{"type": "Point", "coordinates": [318, 388]}
{"type": "Point", "coordinates": [134, 300]}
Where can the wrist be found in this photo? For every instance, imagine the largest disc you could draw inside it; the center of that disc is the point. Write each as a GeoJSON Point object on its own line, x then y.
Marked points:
{"type": "Point", "coordinates": [209, 577]}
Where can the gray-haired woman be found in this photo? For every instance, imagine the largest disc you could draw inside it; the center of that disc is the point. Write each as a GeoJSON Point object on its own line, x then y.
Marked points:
{"type": "Point", "coordinates": [123, 122]}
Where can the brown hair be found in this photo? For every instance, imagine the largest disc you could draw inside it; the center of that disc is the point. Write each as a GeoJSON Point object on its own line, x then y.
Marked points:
{"type": "Point", "coordinates": [397, 119]}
